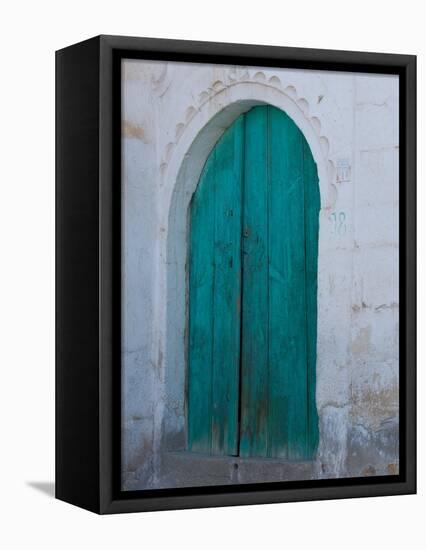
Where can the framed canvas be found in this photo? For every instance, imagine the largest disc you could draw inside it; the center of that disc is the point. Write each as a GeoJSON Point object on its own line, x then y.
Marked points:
{"type": "Point", "coordinates": [235, 274]}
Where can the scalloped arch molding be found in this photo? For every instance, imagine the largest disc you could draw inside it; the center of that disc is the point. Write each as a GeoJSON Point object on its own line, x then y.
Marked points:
{"type": "Point", "coordinates": [227, 99]}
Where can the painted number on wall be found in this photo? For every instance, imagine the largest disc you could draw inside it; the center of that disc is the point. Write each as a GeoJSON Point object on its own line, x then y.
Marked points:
{"type": "Point", "coordinates": [338, 221]}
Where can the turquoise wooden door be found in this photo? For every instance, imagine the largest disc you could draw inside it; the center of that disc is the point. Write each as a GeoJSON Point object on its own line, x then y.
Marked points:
{"type": "Point", "coordinates": [253, 293]}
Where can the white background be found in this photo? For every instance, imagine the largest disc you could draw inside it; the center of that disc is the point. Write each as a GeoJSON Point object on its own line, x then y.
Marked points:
{"type": "Point", "coordinates": [30, 32]}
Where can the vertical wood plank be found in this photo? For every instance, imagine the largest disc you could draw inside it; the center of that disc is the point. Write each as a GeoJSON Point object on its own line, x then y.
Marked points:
{"type": "Point", "coordinates": [227, 289]}
{"type": "Point", "coordinates": [201, 284]}
{"type": "Point", "coordinates": [287, 421]}
{"type": "Point", "coordinates": [214, 299]}
{"type": "Point", "coordinates": [312, 209]}
{"type": "Point", "coordinates": [254, 367]}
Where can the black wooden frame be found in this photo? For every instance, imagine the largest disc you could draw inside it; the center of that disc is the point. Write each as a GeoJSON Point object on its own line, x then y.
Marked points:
{"type": "Point", "coordinates": [88, 271]}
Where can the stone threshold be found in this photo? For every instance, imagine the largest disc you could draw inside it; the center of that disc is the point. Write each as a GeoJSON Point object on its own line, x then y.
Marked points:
{"type": "Point", "coordinates": [188, 469]}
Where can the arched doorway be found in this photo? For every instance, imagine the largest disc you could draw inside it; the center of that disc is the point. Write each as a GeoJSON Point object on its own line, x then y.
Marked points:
{"type": "Point", "coordinates": [253, 252]}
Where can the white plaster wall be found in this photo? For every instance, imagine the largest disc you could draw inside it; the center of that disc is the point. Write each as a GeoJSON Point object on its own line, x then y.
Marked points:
{"type": "Point", "coordinates": [172, 115]}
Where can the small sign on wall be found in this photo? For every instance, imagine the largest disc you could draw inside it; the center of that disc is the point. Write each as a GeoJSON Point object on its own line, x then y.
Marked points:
{"type": "Point", "coordinates": [343, 170]}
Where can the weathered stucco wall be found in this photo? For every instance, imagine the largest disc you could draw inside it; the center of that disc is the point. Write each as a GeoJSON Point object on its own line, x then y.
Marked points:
{"type": "Point", "coordinates": [172, 115]}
